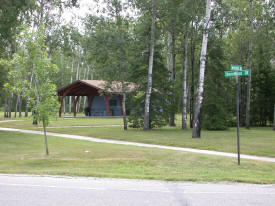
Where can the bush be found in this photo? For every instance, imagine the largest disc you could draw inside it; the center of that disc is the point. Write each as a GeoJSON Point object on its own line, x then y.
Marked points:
{"type": "Point", "coordinates": [157, 117]}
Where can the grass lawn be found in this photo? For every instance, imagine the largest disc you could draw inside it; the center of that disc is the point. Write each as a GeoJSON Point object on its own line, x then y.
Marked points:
{"type": "Point", "coordinates": [25, 153]}
{"type": "Point", "coordinates": [255, 141]}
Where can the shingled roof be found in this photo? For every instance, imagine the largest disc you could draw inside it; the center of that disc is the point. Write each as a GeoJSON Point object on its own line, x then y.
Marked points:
{"type": "Point", "coordinates": [95, 87]}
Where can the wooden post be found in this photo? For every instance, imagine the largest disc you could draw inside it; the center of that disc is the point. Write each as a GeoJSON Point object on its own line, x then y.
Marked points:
{"type": "Point", "coordinates": [106, 99]}
{"type": "Point", "coordinates": [75, 103]}
{"type": "Point", "coordinates": [121, 110]}
{"type": "Point", "coordinates": [61, 102]}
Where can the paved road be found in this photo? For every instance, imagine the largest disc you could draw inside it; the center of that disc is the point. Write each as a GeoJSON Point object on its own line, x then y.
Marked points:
{"type": "Point", "coordinates": [93, 139]}
{"type": "Point", "coordinates": [24, 190]}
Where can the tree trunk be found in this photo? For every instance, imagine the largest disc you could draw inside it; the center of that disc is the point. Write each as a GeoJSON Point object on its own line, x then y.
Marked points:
{"type": "Point", "coordinates": [28, 98]}
{"type": "Point", "coordinates": [184, 83]}
{"type": "Point", "coordinates": [6, 108]}
{"type": "Point", "coordinates": [168, 62]}
{"type": "Point", "coordinates": [10, 105]}
{"type": "Point", "coordinates": [85, 98]}
{"type": "Point", "coordinates": [16, 105]}
{"type": "Point", "coordinates": [20, 106]}
{"type": "Point", "coordinates": [150, 72]}
{"type": "Point", "coordinates": [125, 126]}
{"type": "Point", "coordinates": [70, 100]}
{"type": "Point", "coordinates": [173, 79]}
{"type": "Point", "coordinates": [199, 97]}
{"type": "Point", "coordinates": [169, 52]}
{"type": "Point", "coordinates": [274, 118]}
{"type": "Point", "coordinates": [45, 136]}
{"type": "Point", "coordinates": [247, 120]}
{"type": "Point", "coordinates": [192, 51]}
{"type": "Point", "coordinates": [121, 55]}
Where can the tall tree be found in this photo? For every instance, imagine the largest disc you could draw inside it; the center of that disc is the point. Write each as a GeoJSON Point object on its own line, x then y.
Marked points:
{"type": "Point", "coordinates": [42, 93]}
{"type": "Point", "coordinates": [199, 97]}
{"type": "Point", "coordinates": [184, 82]}
{"type": "Point", "coordinates": [150, 71]}
{"type": "Point", "coordinates": [247, 121]}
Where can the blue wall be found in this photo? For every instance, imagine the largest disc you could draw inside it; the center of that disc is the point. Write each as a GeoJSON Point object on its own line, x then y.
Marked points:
{"type": "Point", "coordinates": [98, 106]}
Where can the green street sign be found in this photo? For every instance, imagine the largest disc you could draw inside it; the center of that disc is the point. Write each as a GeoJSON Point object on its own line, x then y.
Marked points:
{"type": "Point", "coordinates": [236, 67]}
{"type": "Point", "coordinates": [237, 73]}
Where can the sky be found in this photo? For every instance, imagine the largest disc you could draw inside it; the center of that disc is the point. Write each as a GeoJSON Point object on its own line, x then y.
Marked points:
{"type": "Point", "coordinates": [85, 7]}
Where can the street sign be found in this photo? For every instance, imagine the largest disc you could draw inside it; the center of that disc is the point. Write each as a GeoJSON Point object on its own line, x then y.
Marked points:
{"type": "Point", "coordinates": [237, 73]}
{"type": "Point", "coordinates": [236, 67]}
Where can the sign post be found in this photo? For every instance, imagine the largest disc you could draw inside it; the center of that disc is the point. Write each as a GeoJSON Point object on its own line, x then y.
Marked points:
{"type": "Point", "coordinates": [236, 71]}
{"type": "Point", "coordinates": [238, 118]}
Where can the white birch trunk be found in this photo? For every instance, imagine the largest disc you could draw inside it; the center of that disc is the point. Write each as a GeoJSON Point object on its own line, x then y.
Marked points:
{"type": "Point", "coordinates": [199, 97]}
{"type": "Point", "coordinates": [85, 98]}
{"type": "Point", "coordinates": [77, 78]}
{"type": "Point", "coordinates": [45, 137]}
{"type": "Point", "coordinates": [150, 71]}
{"type": "Point", "coordinates": [70, 99]}
{"type": "Point", "coordinates": [28, 98]}
{"type": "Point", "coordinates": [169, 52]}
{"type": "Point", "coordinates": [247, 121]}
{"type": "Point", "coordinates": [184, 84]}
{"type": "Point", "coordinates": [16, 105]}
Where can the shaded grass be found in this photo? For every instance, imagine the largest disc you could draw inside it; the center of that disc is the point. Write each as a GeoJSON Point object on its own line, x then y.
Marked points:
{"type": "Point", "coordinates": [255, 141]}
{"type": "Point", "coordinates": [25, 153]}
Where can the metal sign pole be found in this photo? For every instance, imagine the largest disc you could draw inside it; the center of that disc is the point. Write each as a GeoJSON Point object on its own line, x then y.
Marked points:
{"type": "Point", "coordinates": [238, 118]}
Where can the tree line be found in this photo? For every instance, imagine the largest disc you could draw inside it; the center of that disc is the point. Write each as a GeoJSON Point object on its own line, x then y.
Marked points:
{"type": "Point", "coordinates": [176, 50]}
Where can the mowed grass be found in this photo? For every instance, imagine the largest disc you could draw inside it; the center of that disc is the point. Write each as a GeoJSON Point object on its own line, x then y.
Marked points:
{"type": "Point", "coordinates": [25, 153]}
{"type": "Point", "coordinates": [255, 141]}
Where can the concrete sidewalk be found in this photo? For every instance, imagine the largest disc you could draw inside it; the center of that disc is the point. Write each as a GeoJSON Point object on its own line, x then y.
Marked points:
{"type": "Point", "coordinates": [9, 121]}
{"type": "Point", "coordinates": [120, 142]}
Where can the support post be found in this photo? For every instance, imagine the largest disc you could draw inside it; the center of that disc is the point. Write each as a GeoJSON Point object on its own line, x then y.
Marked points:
{"type": "Point", "coordinates": [61, 103]}
{"type": "Point", "coordinates": [75, 103]}
{"type": "Point", "coordinates": [106, 99]}
{"type": "Point", "coordinates": [238, 118]}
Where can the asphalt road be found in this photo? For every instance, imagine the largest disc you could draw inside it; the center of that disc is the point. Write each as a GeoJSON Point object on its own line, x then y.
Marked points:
{"type": "Point", "coordinates": [25, 190]}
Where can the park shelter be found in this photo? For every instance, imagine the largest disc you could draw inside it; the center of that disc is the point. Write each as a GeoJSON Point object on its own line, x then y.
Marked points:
{"type": "Point", "coordinates": [104, 99]}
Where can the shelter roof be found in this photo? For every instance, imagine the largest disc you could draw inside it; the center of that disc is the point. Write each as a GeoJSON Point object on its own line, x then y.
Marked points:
{"type": "Point", "coordinates": [95, 87]}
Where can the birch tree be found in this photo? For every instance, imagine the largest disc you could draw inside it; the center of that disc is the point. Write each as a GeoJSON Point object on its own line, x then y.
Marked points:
{"type": "Point", "coordinates": [199, 96]}
{"type": "Point", "coordinates": [247, 120]}
{"type": "Point", "coordinates": [150, 71]}
{"type": "Point", "coordinates": [184, 82]}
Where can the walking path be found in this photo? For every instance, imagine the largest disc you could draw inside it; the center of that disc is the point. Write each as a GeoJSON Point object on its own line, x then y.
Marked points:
{"type": "Point", "coordinates": [93, 139]}
{"type": "Point", "coordinates": [10, 121]}
{"type": "Point", "coordinates": [94, 126]}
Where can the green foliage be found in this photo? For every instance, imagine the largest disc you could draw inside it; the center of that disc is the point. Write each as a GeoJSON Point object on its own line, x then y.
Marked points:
{"type": "Point", "coordinates": [157, 114]}
{"type": "Point", "coordinates": [41, 91]}
{"type": "Point", "coordinates": [217, 89]}
{"type": "Point", "coordinates": [263, 87]}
